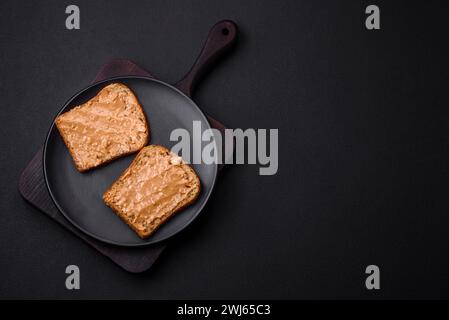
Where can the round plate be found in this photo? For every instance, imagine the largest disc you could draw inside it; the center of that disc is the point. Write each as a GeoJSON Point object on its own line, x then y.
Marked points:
{"type": "Point", "coordinates": [79, 195]}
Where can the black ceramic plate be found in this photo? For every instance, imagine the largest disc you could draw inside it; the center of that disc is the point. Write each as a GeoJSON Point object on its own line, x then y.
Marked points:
{"type": "Point", "coordinates": [79, 195]}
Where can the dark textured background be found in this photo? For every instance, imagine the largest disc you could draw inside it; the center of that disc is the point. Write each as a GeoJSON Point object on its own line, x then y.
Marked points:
{"type": "Point", "coordinates": [363, 120]}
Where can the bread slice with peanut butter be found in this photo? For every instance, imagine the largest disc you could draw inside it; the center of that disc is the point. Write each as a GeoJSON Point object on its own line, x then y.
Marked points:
{"type": "Point", "coordinates": [110, 125]}
{"type": "Point", "coordinates": [156, 185]}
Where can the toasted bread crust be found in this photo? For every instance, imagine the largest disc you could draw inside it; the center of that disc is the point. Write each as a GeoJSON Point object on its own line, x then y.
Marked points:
{"type": "Point", "coordinates": [110, 125]}
{"type": "Point", "coordinates": [136, 198]}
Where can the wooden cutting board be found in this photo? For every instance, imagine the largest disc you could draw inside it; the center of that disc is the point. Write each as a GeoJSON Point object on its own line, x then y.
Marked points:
{"type": "Point", "coordinates": [33, 189]}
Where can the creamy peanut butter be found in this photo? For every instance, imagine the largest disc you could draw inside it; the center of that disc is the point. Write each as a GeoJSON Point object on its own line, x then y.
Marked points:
{"type": "Point", "coordinates": [156, 185]}
{"type": "Point", "coordinates": [109, 125]}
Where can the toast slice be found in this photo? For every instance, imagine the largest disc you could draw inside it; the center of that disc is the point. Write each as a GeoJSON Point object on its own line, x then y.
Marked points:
{"type": "Point", "coordinates": [110, 125]}
{"type": "Point", "coordinates": [156, 185]}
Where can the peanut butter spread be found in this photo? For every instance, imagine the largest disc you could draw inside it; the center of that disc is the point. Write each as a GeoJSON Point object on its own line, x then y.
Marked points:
{"type": "Point", "coordinates": [109, 125]}
{"type": "Point", "coordinates": [156, 185]}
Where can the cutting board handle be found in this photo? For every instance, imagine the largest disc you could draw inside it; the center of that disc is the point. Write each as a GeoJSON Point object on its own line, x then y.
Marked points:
{"type": "Point", "coordinates": [221, 38]}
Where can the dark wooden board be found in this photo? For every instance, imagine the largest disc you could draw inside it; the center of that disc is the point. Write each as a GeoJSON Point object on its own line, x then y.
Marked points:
{"type": "Point", "coordinates": [33, 189]}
